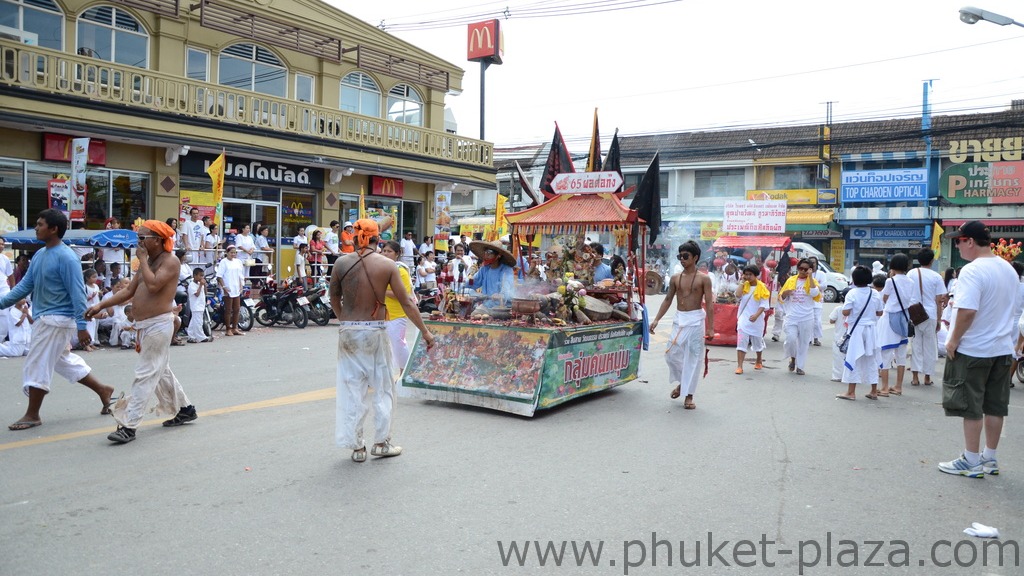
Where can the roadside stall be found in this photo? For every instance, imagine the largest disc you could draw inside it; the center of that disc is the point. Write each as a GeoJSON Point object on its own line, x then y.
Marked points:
{"type": "Point", "coordinates": [558, 335]}
{"type": "Point", "coordinates": [725, 300]}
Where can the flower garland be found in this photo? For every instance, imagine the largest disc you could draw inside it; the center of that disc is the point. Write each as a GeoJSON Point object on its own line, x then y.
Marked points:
{"type": "Point", "coordinates": [1006, 250]}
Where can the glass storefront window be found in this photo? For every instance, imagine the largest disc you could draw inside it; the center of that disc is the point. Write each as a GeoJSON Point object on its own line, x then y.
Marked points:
{"type": "Point", "coordinates": [130, 194]}
{"type": "Point", "coordinates": [413, 220]}
{"type": "Point", "coordinates": [12, 197]}
{"type": "Point", "coordinates": [297, 211]}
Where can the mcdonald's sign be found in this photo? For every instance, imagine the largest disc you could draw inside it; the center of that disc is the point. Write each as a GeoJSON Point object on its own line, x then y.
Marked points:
{"type": "Point", "coordinates": [392, 187]}
{"type": "Point", "coordinates": [485, 42]}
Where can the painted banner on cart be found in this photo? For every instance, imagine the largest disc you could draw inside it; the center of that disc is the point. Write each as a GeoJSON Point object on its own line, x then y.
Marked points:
{"type": "Point", "coordinates": [492, 366]}
{"type": "Point", "coordinates": [983, 183]}
{"type": "Point", "coordinates": [589, 359]}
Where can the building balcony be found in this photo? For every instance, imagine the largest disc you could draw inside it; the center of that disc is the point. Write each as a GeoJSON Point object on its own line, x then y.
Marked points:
{"type": "Point", "coordinates": [37, 73]}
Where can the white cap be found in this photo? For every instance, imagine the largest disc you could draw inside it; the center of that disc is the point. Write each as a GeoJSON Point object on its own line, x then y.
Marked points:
{"type": "Point", "coordinates": [347, 225]}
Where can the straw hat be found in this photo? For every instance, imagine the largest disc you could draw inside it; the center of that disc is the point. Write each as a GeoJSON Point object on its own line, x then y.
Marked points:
{"type": "Point", "coordinates": [478, 247]}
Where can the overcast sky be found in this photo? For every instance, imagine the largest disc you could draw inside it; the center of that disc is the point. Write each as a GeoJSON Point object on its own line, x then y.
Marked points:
{"type": "Point", "coordinates": [713, 64]}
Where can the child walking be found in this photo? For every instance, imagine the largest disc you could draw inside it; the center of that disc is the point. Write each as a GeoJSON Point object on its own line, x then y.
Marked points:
{"type": "Point", "coordinates": [197, 306]}
{"type": "Point", "coordinates": [863, 356]}
{"type": "Point", "coordinates": [838, 356]}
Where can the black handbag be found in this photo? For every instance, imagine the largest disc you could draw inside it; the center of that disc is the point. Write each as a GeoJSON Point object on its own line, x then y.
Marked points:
{"type": "Point", "coordinates": [845, 344]}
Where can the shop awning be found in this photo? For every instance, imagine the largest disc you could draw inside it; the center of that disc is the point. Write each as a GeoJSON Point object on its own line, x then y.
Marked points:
{"type": "Point", "coordinates": [950, 223]}
{"type": "Point", "coordinates": [819, 216]}
{"type": "Point", "coordinates": [773, 242]}
{"type": "Point", "coordinates": [118, 238]}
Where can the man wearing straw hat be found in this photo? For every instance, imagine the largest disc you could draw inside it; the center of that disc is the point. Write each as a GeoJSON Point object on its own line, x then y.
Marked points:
{"type": "Point", "coordinates": [494, 278]}
{"type": "Point", "coordinates": [152, 294]}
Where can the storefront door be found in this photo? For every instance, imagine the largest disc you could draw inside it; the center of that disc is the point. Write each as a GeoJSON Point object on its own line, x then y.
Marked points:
{"type": "Point", "coordinates": [238, 213]}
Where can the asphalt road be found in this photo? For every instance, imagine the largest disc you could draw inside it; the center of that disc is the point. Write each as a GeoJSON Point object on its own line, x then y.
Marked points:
{"type": "Point", "coordinates": [256, 486]}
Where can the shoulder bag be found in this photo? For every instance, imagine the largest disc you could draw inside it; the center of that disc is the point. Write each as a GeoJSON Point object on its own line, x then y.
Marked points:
{"type": "Point", "coordinates": [902, 326]}
{"type": "Point", "coordinates": [916, 311]}
{"type": "Point", "coordinates": [846, 339]}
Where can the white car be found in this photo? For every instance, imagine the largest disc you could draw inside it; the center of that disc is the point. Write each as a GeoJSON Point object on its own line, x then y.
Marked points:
{"type": "Point", "coordinates": [835, 283]}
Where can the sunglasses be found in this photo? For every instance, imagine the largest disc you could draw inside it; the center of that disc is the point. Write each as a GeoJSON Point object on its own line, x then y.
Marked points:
{"type": "Point", "coordinates": [489, 251]}
{"type": "Point", "coordinates": [804, 269]}
{"type": "Point", "coordinates": [146, 236]}
{"type": "Point", "coordinates": [685, 256]}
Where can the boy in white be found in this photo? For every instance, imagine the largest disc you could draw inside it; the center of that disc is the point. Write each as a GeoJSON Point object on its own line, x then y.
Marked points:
{"type": "Point", "coordinates": [837, 319]}
{"type": "Point", "coordinates": [301, 254]}
{"type": "Point", "coordinates": [862, 308]}
{"type": "Point", "coordinates": [116, 319]}
{"type": "Point", "coordinates": [19, 333]}
{"type": "Point", "coordinates": [898, 295]}
{"type": "Point", "coordinates": [753, 297]}
{"type": "Point", "coordinates": [931, 292]}
{"type": "Point", "coordinates": [197, 306]}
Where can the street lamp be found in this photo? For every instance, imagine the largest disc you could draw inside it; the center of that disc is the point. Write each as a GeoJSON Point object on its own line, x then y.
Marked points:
{"type": "Point", "coordinates": [970, 15]}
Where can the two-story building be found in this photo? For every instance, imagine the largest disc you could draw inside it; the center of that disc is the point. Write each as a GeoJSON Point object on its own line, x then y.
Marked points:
{"type": "Point", "coordinates": [311, 105]}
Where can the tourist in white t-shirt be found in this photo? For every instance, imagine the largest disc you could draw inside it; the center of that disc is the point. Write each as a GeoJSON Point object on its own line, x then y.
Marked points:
{"type": "Point", "coordinates": [931, 292]}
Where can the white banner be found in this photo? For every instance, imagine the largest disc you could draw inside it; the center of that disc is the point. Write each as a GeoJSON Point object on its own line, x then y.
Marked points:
{"type": "Point", "coordinates": [760, 216]}
{"type": "Point", "coordinates": [79, 159]}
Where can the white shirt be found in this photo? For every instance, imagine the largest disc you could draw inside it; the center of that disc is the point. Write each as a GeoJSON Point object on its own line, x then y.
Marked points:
{"type": "Point", "coordinates": [987, 285]}
{"type": "Point", "coordinates": [194, 233]}
{"type": "Point", "coordinates": [19, 334]}
{"type": "Point", "coordinates": [425, 247]}
{"type": "Point", "coordinates": [933, 286]}
{"type": "Point", "coordinates": [427, 271]}
{"type": "Point", "coordinates": [748, 305]}
{"type": "Point", "coordinates": [6, 269]}
{"type": "Point", "coordinates": [822, 281]}
{"type": "Point", "coordinates": [408, 249]}
{"type": "Point", "coordinates": [800, 303]}
{"type": "Point", "coordinates": [196, 303]}
{"type": "Point", "coordinates": [856, 298]}
{"type": "Point", "coordinates": [908, 293]}
{"type": "Point", "coordinates": [246, 245]}
{"type": "Point", "coordinates": [332, 242]}
{"type": "Point", "coordinates": [231, 271]}
{"type": "Point", "coordinates": [299, 241]}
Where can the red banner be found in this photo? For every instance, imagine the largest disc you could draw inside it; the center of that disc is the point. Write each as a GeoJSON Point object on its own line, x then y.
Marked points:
{"type": "Point", "coordinates": [58, 147]}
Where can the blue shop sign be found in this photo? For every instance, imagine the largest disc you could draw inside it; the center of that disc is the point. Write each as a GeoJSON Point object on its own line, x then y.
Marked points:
{"type": "Point", "coordinates": [889, 233]}
{"type": "Point", "coordinates": [902, 185]}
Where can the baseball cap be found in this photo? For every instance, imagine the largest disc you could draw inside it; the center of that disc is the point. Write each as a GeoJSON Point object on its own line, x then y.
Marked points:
{"type": "Point", "coordinates": [973, 229]}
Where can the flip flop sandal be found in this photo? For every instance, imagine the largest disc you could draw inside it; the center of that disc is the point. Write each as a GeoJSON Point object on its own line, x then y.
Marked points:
{"type": "Point", "coordinates": [359, 455]}
{"type": "Point", "coordinates": [689, 405]}
{"type": "Point", "coordinates": [800, 372]}
{"type": "Point", "coordinates": [896, 392]}
{"type": "Point", "coordinates": [845, 397]}
{"type": "Point", "coordinates": [883, 394]}
{"type": "Point", "coordinates": [792, 365]}
{"type": "Point", "coordinates": [675, 393]}
{"type": "Point", "coordinates": [871, 396]}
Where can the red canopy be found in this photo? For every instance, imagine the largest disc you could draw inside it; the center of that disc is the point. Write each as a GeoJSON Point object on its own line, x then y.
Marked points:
{"type": "Point", "coordinates": [569, 213]}
{"type": "Point", "coordinates": [773, 242]}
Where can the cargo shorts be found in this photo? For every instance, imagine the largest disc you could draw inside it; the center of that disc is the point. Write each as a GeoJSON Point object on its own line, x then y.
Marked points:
{"type": "Point", "coordinates": [975, 387]}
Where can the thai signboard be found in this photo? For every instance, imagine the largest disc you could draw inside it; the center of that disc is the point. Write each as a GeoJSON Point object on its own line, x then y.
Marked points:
{"type": "Point", "coordinates": [983, 183]}
{"type": "Point", "coordinates": [586, 182]}
{"type": "Point", "coordinates": [987, 150]}
{"type": "Point", "coordinates": [760, 216]}
{"type": "Point", "coordinates": [902, 185]}
{"type": "Point", "coordinates": [791, 197]}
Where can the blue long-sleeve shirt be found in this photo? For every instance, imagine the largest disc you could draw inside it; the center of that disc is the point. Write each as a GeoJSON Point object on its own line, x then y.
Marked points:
{"type": "Point", "coordinates": [54, 279]}
{"type": "Point", "coordinates": [492, 281]}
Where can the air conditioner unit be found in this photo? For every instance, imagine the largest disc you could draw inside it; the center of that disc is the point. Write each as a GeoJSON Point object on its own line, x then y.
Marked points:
{"type": "Point", "coordinates": [8, 33]}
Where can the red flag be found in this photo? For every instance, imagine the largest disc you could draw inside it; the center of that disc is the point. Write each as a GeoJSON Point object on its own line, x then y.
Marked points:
{"type": "Point", "coordinates": [559, 161]}
{"type": "Point", "coordinates": [594, 159]}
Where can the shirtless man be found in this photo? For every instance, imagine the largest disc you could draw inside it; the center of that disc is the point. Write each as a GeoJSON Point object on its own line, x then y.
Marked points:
{"type": "Point", "coordinates": [152, 294]}
{"type": "Point", "coordinates": [358, 283]}
{"type": "Point", "coordinates": [685, 355]}
{"type": "Point", "coordinates": [58, 297]}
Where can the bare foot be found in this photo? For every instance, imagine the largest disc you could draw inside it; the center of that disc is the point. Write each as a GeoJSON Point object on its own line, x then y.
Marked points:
{"type": "Point", "coordinates": [105, 393]}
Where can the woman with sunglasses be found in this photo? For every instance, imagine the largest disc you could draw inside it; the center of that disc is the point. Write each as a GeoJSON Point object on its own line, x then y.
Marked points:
{"type": "Point", "coordinates": [800, 292]}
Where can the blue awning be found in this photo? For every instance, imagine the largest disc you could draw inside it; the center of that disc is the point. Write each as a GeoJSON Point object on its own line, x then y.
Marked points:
{"type": "Point", "coordinates": [120, 238]}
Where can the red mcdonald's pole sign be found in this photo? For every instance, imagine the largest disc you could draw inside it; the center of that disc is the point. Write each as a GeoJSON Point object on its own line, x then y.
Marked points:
{"type": "Point", "coordinates": [485, 42]}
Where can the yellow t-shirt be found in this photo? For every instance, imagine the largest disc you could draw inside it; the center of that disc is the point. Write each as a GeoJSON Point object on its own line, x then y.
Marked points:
{"type": "Point", "coordinates": [395, 309]}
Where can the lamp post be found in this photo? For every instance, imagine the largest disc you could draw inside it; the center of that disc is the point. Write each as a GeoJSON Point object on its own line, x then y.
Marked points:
{"type": "Point", "coordinates": [971, 15]}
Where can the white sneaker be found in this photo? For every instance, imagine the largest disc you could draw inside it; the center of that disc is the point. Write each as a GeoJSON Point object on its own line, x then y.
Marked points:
{"type": "Point", "coordinates": [960, 467]}
{"type": "Point", "coordinates": [991, 467]}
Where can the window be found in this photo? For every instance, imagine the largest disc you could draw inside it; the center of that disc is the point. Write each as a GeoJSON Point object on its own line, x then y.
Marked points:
{"type": "Point", "coordinates": [41, 18]}
{"type": "Point", "coordinates": [405, 105]}
{"type": "Point", "coordinates": [634, 180]}
{"type": "Point", "coordinates": [360, 95]}
{"type": "Point", "coordinates": [304, 88]}
{"type": "Point", "coordinates": [253, 68]}
{"type": "Point", "coordinates": [114, 35]}
{"type": "Point", "coordinates": [719, 183]}
{"type": "Point", "coordinates": [12, 197]}
{"type": "Point", "coordinates": [795, 177]}
{"type": "Point", "coordinates": [197, 64]}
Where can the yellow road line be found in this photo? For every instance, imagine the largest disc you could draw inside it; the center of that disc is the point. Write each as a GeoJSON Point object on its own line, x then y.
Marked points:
{"type": "Point", "coordinates": [313, 396]}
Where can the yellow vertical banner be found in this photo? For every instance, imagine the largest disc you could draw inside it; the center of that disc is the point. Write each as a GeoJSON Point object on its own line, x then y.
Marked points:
{"type": "Point", "coordinates": [937, 232]}
{"type": "Point", "coordinates": [362, 203]}
{"type": "Point", "coordinates": [216, 172]}
{"type": "Point", "coordinates": [500, 227]}
{"type": "Point", "coordinates": [838, 255]}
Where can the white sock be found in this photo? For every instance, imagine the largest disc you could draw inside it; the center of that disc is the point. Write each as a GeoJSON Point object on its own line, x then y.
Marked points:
{"type": "Point", "coordinates": [988, 454]}
{"type": "Point", "coordinates": [973, 458]}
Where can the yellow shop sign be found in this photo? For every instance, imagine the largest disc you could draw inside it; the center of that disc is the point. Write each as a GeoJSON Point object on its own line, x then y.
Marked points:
{"type": "Point", "coordinates": [808, 196]}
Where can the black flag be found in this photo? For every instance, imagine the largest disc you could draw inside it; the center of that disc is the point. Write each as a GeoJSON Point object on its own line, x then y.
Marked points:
{"type": "Point", "coordinates": [559, 161]}
{"type": "Point", "coordinates": [647, 201]}
{"type": "Point", "coordinates": [613, 162]}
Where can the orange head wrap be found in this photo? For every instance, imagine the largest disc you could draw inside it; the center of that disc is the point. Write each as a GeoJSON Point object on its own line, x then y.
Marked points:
{"type": "Point", "coordinates": [366, 229]}
{"type": "Point", "coordinates": [162, 230]}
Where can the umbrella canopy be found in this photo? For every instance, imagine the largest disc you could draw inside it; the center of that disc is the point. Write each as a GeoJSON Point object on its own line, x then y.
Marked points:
{"type": "Point", "coordinates": [118, 238]}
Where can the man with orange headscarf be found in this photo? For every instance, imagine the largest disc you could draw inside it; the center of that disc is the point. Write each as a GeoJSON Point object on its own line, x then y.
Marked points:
{"type": "Point", "coordinates": [358, 283]}
{"type": "Point", "coordinates": [152, 294]}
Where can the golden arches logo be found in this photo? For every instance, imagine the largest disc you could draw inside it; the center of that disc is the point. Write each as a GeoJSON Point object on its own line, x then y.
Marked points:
{"type": "Point", "coordinates": [477, 36]}
{"type": "Point", "coordinates": [388, 187]}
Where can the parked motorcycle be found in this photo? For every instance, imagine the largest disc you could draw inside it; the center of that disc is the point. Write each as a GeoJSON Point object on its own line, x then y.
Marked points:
{"type": "Point", "coordinates": [319, 303]}
{"type": "Point", "coordinates": [429, 300]}
{"type": "Point", "coordinates": [215, 306]}
{"type": "Point", "coordinates": [286, 306]}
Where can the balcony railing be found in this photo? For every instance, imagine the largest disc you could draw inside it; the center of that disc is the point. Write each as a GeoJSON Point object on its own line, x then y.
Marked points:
{"type": "Point", "coordinates": [55, 72]}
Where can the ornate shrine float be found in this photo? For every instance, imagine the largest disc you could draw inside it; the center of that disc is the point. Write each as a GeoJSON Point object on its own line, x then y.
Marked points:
{"type": "Point", "coordinates": [559, 336]}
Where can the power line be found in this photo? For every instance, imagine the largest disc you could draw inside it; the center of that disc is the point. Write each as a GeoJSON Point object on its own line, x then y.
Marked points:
{"type": "Point", "coordinates": [541, 10]}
